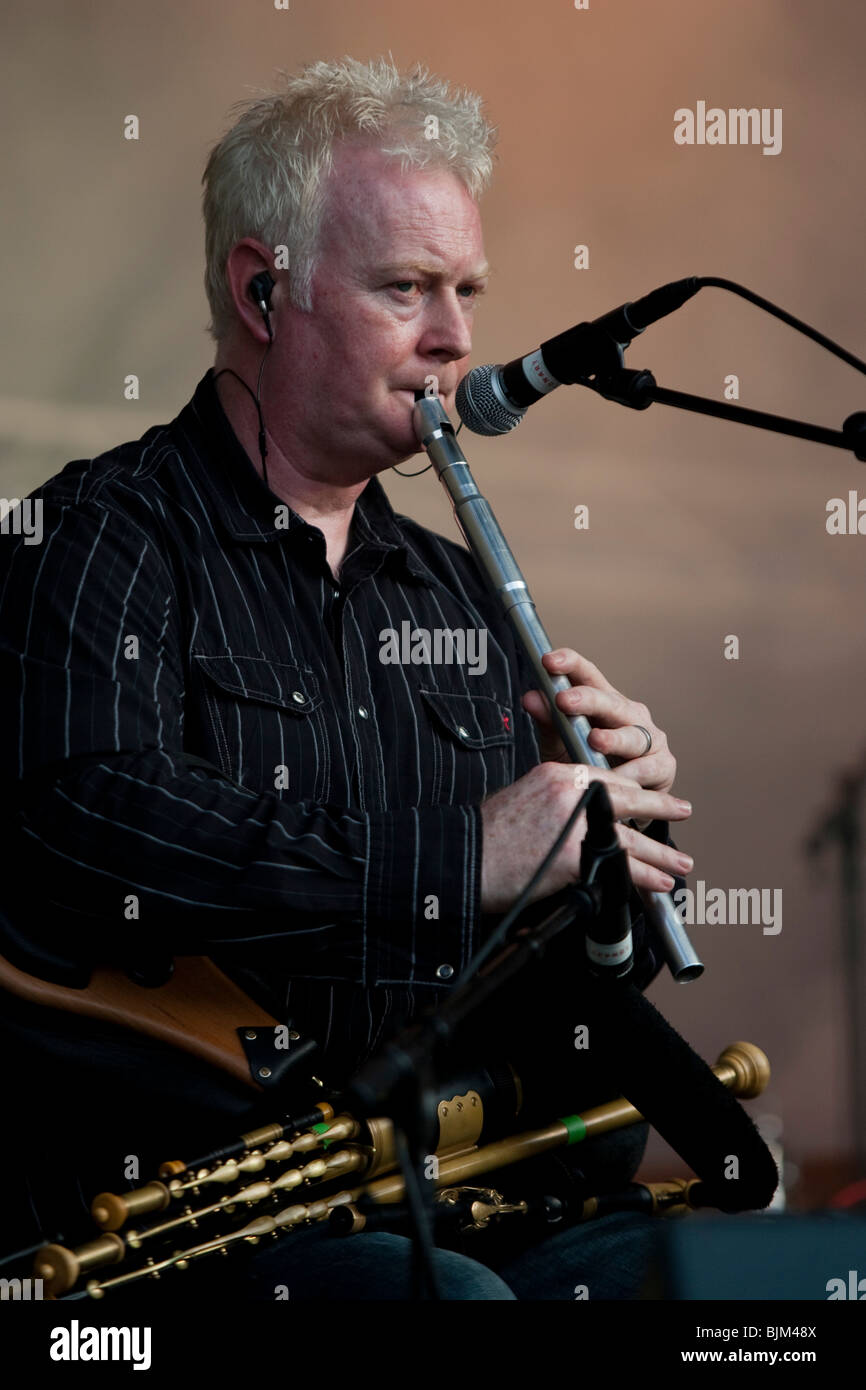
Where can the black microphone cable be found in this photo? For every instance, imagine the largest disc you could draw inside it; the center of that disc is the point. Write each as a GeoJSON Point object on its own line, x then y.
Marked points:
{"type": "Point", "coordinates": [257, 401]}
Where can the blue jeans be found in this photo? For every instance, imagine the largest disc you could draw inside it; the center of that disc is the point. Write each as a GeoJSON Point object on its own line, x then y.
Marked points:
{"type": "Point", "coordinates": [602, 1259]}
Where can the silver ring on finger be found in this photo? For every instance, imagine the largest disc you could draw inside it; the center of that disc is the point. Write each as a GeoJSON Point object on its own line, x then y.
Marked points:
{"type": "Point", "coordinates": [647, 735]}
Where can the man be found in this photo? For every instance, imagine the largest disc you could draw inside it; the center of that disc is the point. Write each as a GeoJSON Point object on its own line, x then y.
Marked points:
{"type": "Point", "coordinates": [219, 591]}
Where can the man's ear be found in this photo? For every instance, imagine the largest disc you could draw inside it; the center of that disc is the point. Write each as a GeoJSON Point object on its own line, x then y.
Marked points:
{"type": "Point", "coordinates": [252, 287]}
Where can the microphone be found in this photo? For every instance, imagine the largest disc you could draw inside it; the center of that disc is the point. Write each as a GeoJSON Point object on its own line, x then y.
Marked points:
{"type": "Point", "coordinates": [493, 399]}
{"type": "Point", "coordinates": [604, 870]}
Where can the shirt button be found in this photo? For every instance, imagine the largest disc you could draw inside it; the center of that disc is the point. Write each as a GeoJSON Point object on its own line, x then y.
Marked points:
{"type": "Point", "coordinates": [336, 593]}
{"type": "Point", "coordinates": [363, 712]}
{"type": "Point", "coordinates": [445, 972]}
{"type": "Point", "coordinates": [299, 697]}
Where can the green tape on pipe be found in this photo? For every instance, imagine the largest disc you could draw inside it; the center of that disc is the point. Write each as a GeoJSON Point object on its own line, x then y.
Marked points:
{"type": "Point", "coordinates": [321, 1128]}
{"type": "Point", "coordinates": [575, 1126]}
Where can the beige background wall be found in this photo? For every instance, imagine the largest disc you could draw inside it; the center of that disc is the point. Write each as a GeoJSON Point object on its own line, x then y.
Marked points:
{"type": "Point", "coordinates": [698, 529]}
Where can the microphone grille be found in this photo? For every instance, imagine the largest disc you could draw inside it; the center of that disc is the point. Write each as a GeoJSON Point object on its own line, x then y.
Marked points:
{"type": "Point", "coordinates": [481, 408]}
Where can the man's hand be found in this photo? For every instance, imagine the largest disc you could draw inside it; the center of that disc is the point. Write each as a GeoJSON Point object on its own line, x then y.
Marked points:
{"type": "Point", "coordinates": [521, 822]}
{"type": "Point", "coordinates": [619, 723]}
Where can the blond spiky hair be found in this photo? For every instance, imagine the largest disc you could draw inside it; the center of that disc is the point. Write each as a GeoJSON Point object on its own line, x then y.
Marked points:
{"type": "Point", "coordinates": [265, 178]}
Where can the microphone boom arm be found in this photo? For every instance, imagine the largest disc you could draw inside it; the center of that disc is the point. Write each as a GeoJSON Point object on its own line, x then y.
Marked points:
{"type": "Point", "coordinates": [494, 558]}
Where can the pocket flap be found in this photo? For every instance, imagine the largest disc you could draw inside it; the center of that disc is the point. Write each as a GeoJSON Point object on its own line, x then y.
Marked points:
{"type": "Point", "coordinates": [476, 721]}
{"type": "Point", "coordinates": [293, 688]}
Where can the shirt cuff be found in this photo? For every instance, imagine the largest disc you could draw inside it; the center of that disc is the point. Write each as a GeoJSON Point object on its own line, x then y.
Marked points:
{"type": "Point", "coordinates": [422, 895]}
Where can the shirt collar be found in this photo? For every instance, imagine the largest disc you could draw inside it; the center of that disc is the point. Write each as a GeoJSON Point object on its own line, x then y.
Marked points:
{"type": "Point", "coordinates": [248, 510]}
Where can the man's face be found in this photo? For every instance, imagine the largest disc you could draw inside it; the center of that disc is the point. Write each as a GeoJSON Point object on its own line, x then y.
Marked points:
{"type": "Point", "coordinates": [401, 263]}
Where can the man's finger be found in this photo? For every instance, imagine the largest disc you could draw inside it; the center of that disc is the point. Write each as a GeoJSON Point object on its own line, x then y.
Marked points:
{"type": "Point", "coordinates": [606, 707]}
{"type": "Point", "coordinates": [633, 802]}
{"type": "Point", "coordinates": [653, 854]}
{"type": "Point", "coordinates": [628, 743]}
{"type": "Point", "coordinates": [653, 772]}
{"type": "Point", "coordinates": [643, 876]}
{"type": "Point", "coordinates": [566, 662]}
{"type": "Point", "coordinates": [536, 704]}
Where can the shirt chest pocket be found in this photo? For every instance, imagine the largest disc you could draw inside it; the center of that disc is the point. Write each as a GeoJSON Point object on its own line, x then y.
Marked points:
{"type": "Point", "coordinates": [471, 745]}
{"type": "Point", "coordinates": [261, 719]}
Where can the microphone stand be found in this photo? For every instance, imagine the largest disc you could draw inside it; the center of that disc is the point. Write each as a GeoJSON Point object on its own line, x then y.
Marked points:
{"type": "Point", "coordinates": [639, 389]}
{"type": "Point", "coordinates": [397, 1081]}
{"type": "Point", "coordinates": [401, 1067]}
{"type": "Point", "coordinates": [494, 557]}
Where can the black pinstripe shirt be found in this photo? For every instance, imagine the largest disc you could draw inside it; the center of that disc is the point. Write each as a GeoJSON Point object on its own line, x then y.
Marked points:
{"type": "Point", "coordinates": [328, 854]}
